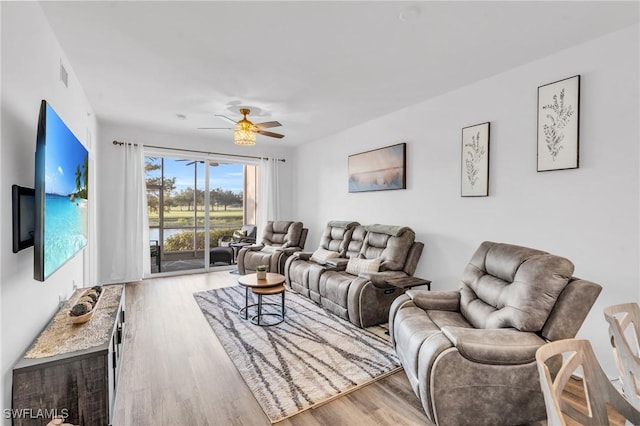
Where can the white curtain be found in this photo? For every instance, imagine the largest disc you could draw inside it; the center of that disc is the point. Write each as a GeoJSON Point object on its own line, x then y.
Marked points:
{"type": "Point", "coordinates": [269, 193]}
{"type": "Point", "coordinates": [131, 259]}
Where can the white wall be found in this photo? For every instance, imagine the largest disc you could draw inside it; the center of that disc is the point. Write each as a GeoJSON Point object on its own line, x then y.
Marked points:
{"type": "Point", "coordinates": [589, 215]}
{"type": "Point", "coordinates": [111, 169]}
{"type": "Point", "coordinates": [31, 58]}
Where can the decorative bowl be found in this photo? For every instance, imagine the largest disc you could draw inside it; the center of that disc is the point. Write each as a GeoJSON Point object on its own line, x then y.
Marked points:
{"type": "Point", "coordinates": [80, 319]}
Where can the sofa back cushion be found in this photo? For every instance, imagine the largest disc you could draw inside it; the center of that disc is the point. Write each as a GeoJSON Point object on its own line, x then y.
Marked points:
{"type": "Point", "coordinates": [390, 244]}
{"type": "Point", "coordinates": [357, 240]}
{"type": "Point", "coordinates": [511, 286]}
{"type": "Point", "coordinates": [282, 234]}
{"type": "Point", "coordinates": [337, 236]}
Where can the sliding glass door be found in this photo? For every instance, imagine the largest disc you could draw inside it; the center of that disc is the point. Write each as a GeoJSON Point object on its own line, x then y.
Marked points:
{"type": "Point", "coordinates": [187, 200]}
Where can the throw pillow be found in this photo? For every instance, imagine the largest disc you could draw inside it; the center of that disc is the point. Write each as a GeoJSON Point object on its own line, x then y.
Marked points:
{"type": "Point", "coordinates": [321, 255]}
{"type": "Point", "coordinates": [357, 266]}
{"type": "Point", "coordinates": [239, 234]}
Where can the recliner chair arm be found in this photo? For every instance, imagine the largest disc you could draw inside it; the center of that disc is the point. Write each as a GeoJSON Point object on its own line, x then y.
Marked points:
{"type": "Point", "coordinates": [255, 247]}
{"type": "Point", "coordinates": [302, 255]}
{"type": "Point", "coordinates": [504, 346]}
{"type": "Point", "coordinates": [379, 279]}
{"type": "Point", "coordinates": [339, 263]}
{"type": "Point", "coordinates": [291, 250]}
{"type": "Point", "coordinates": [435, 300]}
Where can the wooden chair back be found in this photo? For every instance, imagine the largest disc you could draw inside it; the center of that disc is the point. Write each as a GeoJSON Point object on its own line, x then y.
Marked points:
{"type": "Point", "coordinates": [624, 330]}
{"type": "Point", "coordinates": [576, 355]}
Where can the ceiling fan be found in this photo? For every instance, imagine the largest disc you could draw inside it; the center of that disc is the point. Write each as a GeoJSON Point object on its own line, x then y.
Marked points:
{"type": "Point", "coordinates": [245, 131]}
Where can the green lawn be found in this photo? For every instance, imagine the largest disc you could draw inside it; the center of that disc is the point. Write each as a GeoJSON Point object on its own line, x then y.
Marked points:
{"type": "Point", "coordinates": [178, 217]}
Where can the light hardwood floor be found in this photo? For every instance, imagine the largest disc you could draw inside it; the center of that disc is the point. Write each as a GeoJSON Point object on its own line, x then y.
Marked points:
{"type": "Point", "coordinates": [176, 372]}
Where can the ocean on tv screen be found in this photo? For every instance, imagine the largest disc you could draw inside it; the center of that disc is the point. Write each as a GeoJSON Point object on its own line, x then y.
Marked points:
{"type": "Point", "coordinates": [64, 230]}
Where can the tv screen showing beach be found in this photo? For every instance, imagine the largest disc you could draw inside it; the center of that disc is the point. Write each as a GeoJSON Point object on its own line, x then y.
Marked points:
{"type": "Point", "coordinates": [63, 192]}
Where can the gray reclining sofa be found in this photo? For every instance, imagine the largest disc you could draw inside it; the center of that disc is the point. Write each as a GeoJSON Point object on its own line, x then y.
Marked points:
{"type": "Point", "coordinates": [363, 298]}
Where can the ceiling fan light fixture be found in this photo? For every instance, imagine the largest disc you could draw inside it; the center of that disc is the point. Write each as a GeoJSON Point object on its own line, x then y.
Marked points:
{"type": "Point", "coordinates": [245, 133]}
{"type": "Point", "coordinates": [245, 137]}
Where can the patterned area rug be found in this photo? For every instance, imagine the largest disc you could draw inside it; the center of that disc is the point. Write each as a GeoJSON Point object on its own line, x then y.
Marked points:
{"type": "Point", "coordinates": [309, 359]}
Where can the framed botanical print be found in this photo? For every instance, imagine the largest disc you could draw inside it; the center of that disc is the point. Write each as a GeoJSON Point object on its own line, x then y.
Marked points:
{"type": "Point", "coordinates": [475, 161]}
{"type": "Point", "coordinates": [558, 125]}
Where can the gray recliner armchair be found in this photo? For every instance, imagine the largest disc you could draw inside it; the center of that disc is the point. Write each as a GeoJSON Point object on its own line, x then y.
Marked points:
{"type": "Point", "coordinates": [470, 354]}
{"type": "Point", "coordinates": [280, 239]}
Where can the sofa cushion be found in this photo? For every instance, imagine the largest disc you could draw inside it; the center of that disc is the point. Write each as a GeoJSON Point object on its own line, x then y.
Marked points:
{"type": "Point", "coordinates": [357, 266]}
{"type": "Point", "coordinates": [282, 234]}
{"type": "Point", "coordinates": [239, 234]}
{"type": "Point", "coordinates": [336, 236]}
{"type": "Point", "coordinates": [511, 286]}
{"type": "Point", "coordinates": [357, 240]}
{"type": "Point", "coordinates": [321, 255]}
{"type": "Point", "coordinates": [392, 250]}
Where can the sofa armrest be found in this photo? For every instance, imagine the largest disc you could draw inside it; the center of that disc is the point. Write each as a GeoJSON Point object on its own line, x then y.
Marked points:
{"type": "Point", "coordinates": [291, 250]}
{"type": "Point", "coordinates": [255, 247]}
{"type": "Point", "coordinates": [379, 279]}
{"type": "Point", "coordinates": [339, 263]}
{"type": "Point", "coordinates": [302, 255]}
{"type": "Point", "coordinates": [503, 346]}
{"type": "Point", "coordinates": [435, 300]}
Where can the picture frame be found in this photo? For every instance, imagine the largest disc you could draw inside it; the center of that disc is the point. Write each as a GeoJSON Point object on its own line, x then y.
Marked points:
{"type": "Point", "coordinates": [559, 125]}
{"type": "Point", "coordinates": [474, 173]}
{"type": "Point", "coordinates": [380, 169]}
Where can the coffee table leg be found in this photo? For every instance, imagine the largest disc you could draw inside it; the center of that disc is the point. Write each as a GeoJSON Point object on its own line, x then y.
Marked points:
{"type": "Point", "coordinates": [246, 303]}
{"type": "Point", "coordinates": [259, 307]}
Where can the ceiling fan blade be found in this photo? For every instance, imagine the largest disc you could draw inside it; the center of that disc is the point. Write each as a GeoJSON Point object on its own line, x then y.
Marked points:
{"type": "Point", "coordinates": [268, 124]}
{"type": "Point", "coordinates": [271, 134]}
{"type": "Point", "coordinates": [225, 118]}
{"type": "Point", "coordinates": [215, 128]}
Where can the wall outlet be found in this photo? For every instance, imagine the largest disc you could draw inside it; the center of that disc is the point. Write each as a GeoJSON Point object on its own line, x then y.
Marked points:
{"type": "Point", "coordinates": [75, 286]}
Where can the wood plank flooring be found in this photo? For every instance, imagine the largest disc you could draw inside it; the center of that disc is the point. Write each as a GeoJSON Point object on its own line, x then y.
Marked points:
{"type": "Point", "coordinates": [176, 372]}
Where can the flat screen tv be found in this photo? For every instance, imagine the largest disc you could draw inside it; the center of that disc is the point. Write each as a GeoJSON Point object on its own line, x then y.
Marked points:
{"type": "Point", "coordinates": [61, 188]}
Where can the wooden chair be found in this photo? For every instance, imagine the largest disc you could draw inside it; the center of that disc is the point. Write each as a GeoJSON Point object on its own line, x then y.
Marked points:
{"type": "Point", "coordinates": [577, 355]}
{"type": "Point", "coordinates": [624, 330]}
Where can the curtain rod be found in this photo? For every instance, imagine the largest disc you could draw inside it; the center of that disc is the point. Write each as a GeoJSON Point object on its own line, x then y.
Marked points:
{"type": "Point", "coordinates": [198, 152]}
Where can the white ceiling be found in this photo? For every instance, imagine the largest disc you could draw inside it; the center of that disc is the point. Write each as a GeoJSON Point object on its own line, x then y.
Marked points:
{"type": "Point", "coordinates": [317, 67]}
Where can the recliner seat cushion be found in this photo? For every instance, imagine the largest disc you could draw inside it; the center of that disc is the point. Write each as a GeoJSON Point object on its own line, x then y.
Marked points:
{"type": "Point", "coordinates": [511, 286]}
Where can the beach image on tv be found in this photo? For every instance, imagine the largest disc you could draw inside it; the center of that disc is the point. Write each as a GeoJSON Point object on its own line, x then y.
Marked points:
{"type": "Point", "coordinates": [66, 182]}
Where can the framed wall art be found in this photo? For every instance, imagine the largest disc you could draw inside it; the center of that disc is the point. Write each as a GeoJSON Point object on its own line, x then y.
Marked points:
{"type": "Point", "coordinates": [378, 170]}
{"type": "Point", "coordinates": [558, 125]}
{"type": "Point", "coordinates": [475, 161]}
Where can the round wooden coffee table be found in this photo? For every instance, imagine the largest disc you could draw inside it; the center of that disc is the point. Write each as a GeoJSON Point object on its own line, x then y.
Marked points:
{"type": "Point", "coordinates": [272, 284]}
